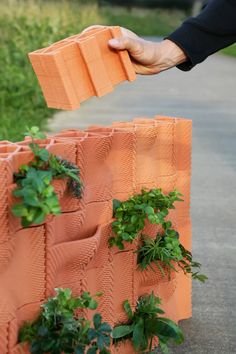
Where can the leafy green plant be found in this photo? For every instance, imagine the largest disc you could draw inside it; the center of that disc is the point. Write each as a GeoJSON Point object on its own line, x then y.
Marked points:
{"type": "Point", "coordinates": [168, 254]}
{"type": "Point", "coordinates": [60, 329]}
{"type": "Point", "coordinates": [145, 323]}
{"type": "Point", "coordinates": [130, 215]}
{"type": "Point", "coordinates": [34, 183]}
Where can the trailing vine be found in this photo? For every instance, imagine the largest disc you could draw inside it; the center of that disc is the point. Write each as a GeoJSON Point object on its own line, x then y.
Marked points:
{"type": "Point", "coordinates": [60, 329]}
{"type": "Point", "coordinates": [145, 323]}
{"type": "Point", "coordinates": [34, 188]}
{"type": "Point", "coordinates": [168, 254]}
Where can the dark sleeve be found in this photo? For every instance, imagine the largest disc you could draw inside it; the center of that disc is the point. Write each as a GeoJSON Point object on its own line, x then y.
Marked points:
{"type": "Point", "coordinates": [213, 29]}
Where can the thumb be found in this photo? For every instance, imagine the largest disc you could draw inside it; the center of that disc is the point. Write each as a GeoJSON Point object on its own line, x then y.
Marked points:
{"type": "Point", "coordinates": [134, 46]}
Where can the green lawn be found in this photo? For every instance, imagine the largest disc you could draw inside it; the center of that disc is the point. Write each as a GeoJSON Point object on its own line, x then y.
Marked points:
{"type": "Point", "coordinates": [28, 25]}
{"type": "Point", "coordinates": [230, 50]}
{"type": "Point", "coordinates": [144, 22]}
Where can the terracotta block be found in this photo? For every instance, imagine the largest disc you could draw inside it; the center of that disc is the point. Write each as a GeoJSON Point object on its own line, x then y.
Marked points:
{"type": "Point", "coordinates": [71, 134]}
{"type": "Point", "coordinates": [67, 231]}
{"type": "Point", "coordinates": [94, 153]}
{"type": "Point", "coordinates": [121, 160]}
{"type": "Point", "coordinates": [154, 152]}
{"type": "Point", "coordinates": [183, 140]}
{"type": "Point", "coordinates": [72, 70]}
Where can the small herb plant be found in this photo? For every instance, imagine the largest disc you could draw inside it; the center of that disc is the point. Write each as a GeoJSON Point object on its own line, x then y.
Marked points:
{"type": "Point", "coordinates": [130, 215]}
{"type": "Point", "coordinates": [145, 323]}
{"type": "Point", "coordinates": [166, 251]}
{"type": "Point", "coordinates": [34, 183]}
{"type": "Point", "coordinates": [59, 329]}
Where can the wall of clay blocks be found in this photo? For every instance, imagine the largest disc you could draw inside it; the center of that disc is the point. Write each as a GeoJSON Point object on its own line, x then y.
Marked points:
{"type": "Point", "coordinates": [71, 250]}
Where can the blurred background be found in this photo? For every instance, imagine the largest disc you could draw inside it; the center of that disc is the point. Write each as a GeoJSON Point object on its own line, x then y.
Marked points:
{"type": "Point", "coordinates": [28, 25]}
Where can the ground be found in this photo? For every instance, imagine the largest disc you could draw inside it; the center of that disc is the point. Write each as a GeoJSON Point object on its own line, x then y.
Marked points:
{"type": "Point", "coordinates": [207, 96]}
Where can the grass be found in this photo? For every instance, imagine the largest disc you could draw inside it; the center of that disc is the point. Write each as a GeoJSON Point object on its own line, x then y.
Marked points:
{"type": "Point", "coordinates": [155, 22]}
{"type": "Point", "coordinates": [231, 50]}
{"type": "Point", "coordinates": [24, 27]}
{"type": "Point", "coordinates": [28, 25]}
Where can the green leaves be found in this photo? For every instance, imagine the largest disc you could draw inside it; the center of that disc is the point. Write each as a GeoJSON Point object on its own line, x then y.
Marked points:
{"type": "Point", "coordinates": [100, 333]}
{"type": "Point", "coordinates": [38, 197]}
{"type": "Point", "coordinates": [64, 169]}
{"type": "Point", "coordinates": [116, 204]}
{"type": "Point", "coordinates": [34, 188]}
{"type": "Point", "coordinates": [34, 133]}
{"type": "Point", "coordinates": [131, 214]}
{"type": "Point", "coordinates": [128, 309]}
{"type": "Point", "coordinates": [167, 253]}
{"type": "Point", "coordinates": [140, 341]}
{"type": "Point", "coordinates": [144, 324]}
{"type": "Point", "coordinates": [121, 331]}
{"type": "Point", "coordinates": [59, 329]}
{"type": "Point", "coordinates": [187, 264]}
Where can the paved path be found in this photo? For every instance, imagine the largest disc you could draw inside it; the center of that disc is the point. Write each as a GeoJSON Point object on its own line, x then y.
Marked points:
{"type": "Point", "coordinates": [208, 96]}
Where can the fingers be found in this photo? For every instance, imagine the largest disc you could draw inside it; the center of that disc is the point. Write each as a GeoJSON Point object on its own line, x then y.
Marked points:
{"type": "Point", "coordinates": [129, 40]}
{"type": "Point", "coordinates": [134, 46]}
{"type": "Point", "coordinates": [127, 33]}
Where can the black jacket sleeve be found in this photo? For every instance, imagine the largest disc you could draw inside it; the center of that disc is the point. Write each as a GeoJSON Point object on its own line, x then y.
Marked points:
{"type": "Point", "coordinates": [213, 29]}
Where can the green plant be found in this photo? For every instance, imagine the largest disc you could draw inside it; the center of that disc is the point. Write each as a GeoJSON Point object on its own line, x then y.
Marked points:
{"type": "Point", "coordinates": [34, 183]}
{"type": "Point", "coordinates": [145, 323]}
{"type": "Point", "coordinates": [187, 264]}
{"type": "Point", "coordinates": [130, 215]}
{"type": "Point", "coordinates": [59, 328]}
{"type": "Point", "coordinates": [167, 252]}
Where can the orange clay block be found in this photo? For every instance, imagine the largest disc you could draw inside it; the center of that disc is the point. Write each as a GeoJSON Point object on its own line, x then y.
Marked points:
{"type": "Point", "coordinates": [153, 153]}
{"type": "Point", "coordinates": [71, 249]}
{"type": "Point", "coordinates": [74, 69]}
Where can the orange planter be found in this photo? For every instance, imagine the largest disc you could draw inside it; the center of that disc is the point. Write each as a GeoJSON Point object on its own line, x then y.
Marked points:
{"type": "Point", "coordinates": [71, 250]}
{"type": "Point", "coordinates": [74, 69]}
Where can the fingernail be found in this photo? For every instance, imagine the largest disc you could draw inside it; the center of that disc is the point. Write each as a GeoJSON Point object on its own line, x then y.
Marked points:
{"type": "Point", "coordinates": [114, 42]}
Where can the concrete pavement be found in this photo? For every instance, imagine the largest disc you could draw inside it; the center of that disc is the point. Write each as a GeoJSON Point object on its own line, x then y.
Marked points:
{"type": "Point", "coordinates": [207, 95]}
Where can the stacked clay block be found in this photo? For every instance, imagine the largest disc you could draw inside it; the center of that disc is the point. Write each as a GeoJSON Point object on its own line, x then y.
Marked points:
{"type": "Point", "coordinates": [71, 250]}
{"type": "Point", "coordinates": [76, 68]}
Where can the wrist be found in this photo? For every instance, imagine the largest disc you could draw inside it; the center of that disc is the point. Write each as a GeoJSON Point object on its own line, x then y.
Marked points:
{"type": "Point", "coordinates": [169, 55]}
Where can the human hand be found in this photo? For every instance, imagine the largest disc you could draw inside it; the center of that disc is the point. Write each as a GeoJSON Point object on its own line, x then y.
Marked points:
{"type": "Point", "coordinates": [147, 57]}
